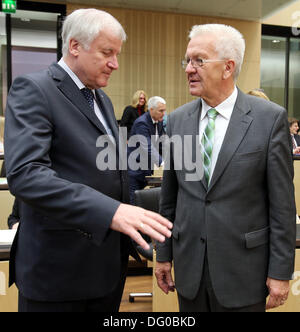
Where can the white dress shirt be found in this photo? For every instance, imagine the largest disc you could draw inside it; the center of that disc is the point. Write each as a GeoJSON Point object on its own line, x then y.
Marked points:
{"type": "Point", "coordinates": [81, 86]}
{"type": "Point", "coordinates": [225, 110]}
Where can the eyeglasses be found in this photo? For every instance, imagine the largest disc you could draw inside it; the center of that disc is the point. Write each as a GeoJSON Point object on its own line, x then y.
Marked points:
{"type": "Point", "coordinates": [197, 63]}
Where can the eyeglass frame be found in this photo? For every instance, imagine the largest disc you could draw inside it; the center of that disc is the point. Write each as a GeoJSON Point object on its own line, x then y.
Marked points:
{"type": "Point", "coordinates": [185, 62]}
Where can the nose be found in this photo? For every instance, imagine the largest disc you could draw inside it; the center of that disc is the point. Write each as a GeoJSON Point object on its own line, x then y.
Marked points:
{"type": "Point", "coordinates": [113, 63]}
{"type": "Point", "coordinates": [189, 68]}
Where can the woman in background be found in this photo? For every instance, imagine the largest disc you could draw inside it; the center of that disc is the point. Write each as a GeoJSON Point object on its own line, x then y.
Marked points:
{"type": "Point", "coordinates": [137, 108]}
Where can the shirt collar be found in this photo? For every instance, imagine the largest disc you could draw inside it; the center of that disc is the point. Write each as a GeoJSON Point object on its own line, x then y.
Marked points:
{"type": "Point", "coordinates": [225, 109]}
{"type": "Point", "coordinates": [72, 75]}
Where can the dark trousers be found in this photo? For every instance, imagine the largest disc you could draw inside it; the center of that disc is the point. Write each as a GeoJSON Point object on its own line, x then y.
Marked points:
{"type": "Point", "coordinates": [109, 303]}
{"type": "Point", "coordinates": [206, 300]}
{"type": "Point", "coordinates": [135, 184]}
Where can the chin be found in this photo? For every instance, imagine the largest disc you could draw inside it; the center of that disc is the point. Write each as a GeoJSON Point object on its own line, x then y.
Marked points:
{"type": "Point", "coordinates": [195, 92]}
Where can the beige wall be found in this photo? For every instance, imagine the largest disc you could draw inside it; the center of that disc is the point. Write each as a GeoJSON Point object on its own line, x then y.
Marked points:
{"type": "Point", "coordinates": [288, 16]}
{"type": "Point", "coordinates": [150, 58]}
{"type": "Point", "coordinates": [1, 128]}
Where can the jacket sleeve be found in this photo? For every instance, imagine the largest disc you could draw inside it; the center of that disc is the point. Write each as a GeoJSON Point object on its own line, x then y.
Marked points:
{"type": "Point", "coordinates": [29, 132]}
{"type": "Point", "coordinates": [282, 210]}
{"type": "Point", "coordinates": [168, 201]}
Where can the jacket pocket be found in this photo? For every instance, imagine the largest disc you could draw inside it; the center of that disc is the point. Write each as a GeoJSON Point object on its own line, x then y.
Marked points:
{"type": "Point", "coordinates": [257, 238]}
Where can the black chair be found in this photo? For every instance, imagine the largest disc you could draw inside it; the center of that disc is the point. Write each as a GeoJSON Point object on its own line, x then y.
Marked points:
{"type": "Point", "coordinates": [149, 200]}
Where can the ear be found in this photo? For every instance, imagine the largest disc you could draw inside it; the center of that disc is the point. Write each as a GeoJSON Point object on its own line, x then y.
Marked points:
{"type": "Point", "coordinates": [229, 69]}
{"type": "Point", "coordinates": [74, 47]}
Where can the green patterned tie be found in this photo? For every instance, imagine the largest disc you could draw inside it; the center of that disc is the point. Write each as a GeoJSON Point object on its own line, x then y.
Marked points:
{"type": "Point", "coordinates": [207, 142]}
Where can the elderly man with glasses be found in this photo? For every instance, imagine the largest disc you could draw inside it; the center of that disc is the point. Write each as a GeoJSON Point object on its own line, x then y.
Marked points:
{"type": "Point", "coordinates": [233, 239]}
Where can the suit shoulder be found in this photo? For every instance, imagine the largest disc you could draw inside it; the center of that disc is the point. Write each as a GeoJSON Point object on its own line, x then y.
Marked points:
{"type": "Point", "coordinates": [189, 107]}
{"type": "Point", "coordinates": [263, 105]}
{"type": "Point", "coordinates": [37, 77]}
{"type": "Point", "coordinates": [143, 119]}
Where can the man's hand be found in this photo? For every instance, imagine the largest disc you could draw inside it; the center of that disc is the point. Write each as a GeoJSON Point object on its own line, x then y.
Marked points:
{"type": "Point", "coordinates": [279, 291]}
{"type": "Point", "coordinates": [130, 220]}
{"type": "Point", "coordinates": [164, 277]}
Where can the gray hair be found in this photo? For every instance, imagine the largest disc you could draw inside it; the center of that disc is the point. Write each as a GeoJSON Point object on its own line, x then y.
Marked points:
{"type": "Point", "coordinates": [84, 25]}
{"type": "Point", "coordinates": [153, 102]}
{"type": "Point", "coordinates": [229, 42]}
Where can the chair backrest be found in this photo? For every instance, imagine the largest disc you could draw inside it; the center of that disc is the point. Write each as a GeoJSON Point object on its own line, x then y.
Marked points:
{"type": "Point", "coordinates": [147, 199]}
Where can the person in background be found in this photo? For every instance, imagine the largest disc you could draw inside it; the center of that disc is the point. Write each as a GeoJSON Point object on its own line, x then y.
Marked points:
{"type": "Point", "coordinates": [295, 138]}
{"type": "Point", "coordinates": [137, 108]}
{"type": "Point", "coordinates": [70, 252]}
{"type": "Point", "coordinates": [234, 230]}
{"type": "Point", "coordinates": [258, 93]}
{"type": "Point", "coordinates": [149, 125]}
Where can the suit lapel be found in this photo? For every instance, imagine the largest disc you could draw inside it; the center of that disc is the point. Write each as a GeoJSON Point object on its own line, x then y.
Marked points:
{"type": "Point", "coordinates": [71, 91]}
{"type": "Point", "coordinates": [108, 113]}
{"type": "Point", "coordinates": [237, 129]}
{"type": "Point", "coordinates": [191, 128]}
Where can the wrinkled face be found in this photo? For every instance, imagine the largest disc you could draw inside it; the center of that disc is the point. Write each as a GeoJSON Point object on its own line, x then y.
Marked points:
{"type": "Point", "coordinates": [204, 81]}
{"type": "Point", "coordinates": [95, 65]}
{"type": "Point", "coordinates": [294, 128]}
{"type": "Point", "coordinates": [158, 113]}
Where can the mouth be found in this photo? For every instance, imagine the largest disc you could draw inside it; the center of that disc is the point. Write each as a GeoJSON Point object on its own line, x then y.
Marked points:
{"type": "Point", "coordinates": [107, 74]}
{"type": "Point", "coordinates": [193, 80]}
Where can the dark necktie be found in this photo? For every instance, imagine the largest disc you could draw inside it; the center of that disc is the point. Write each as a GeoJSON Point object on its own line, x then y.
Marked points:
{"type": "Point", "coordinates": [89, 96]}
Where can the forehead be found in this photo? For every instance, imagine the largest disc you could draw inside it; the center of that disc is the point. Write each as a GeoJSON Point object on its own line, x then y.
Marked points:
{"type": "Point", "coordinates": [160, 106]}
{"type": "Point", "coordinates": [203, 45]}
{"type": "Point", "coordinates": [108, 40]}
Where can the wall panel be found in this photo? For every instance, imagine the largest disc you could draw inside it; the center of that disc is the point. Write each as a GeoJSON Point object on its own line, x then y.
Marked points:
{"type": "Point", "coordinates": [150, 58]}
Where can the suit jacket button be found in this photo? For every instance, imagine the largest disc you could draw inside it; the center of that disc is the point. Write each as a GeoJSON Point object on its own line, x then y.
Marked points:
{"type": "Point", "coordinates": [202, 240]}
{"type": "Point", "coordinates": [207, 202]}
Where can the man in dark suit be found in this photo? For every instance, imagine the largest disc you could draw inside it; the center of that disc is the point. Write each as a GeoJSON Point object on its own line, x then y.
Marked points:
{"type": "Point", "coordinates": [233, 239]}
{"type": "Point", "coordinates": [71, 249]}
{"type": "Point", "coordinates": [148, 127]}
{"type": "Point", "coordinates": [295, 138]}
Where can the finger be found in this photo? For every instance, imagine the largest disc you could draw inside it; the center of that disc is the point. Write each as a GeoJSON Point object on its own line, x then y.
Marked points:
{"type": "Point", "coordinates": [160, 219]}
{"type": "Point", "coordinates": [136, 236]}
{"type": "Point", "coordinates": [270, 304]}
{"type": "Point", "coordinates": [155, 226]}
{"type": "Point", "coordinates": [148, 230]}
{"type": "Point", "coordinates": [273, 302]}
{"type": "Point", "coordinates": [162, 283]}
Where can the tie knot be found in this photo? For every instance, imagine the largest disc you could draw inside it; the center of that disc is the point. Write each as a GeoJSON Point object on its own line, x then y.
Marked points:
{"type": "Point", "coordinates": [89, 96]}
{"type": "Point", "coordinates": [212, 113]}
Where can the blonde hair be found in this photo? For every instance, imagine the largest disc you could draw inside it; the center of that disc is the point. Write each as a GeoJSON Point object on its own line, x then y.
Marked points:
{"type": "Point", "coordinates": [258, 93]}
{"type": "Point", "coordinates": [136, 97]}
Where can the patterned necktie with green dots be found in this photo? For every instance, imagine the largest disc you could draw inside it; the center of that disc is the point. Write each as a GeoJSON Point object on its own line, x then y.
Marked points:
{"type": "Point", "coordinates": [208, 141]}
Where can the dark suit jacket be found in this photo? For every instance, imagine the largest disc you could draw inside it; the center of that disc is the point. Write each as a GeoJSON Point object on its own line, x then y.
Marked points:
{"type": "Point", "coordinates": [14, 216]}
{"type": "Point", "coordinates": [130, 114]}
{"type": "Point", "coordinates": [64, 248]}
{"type": "Point", "coordinates": [144, 126]}
{"type": "Point", "coordinates": [245, 220]}
{"type": "Point", "coordinates": [297, 139]}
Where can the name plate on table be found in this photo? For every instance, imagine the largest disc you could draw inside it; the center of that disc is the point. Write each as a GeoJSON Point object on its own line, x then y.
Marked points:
{"type": "Point", "coordinates": [3, 184]}
{"type": "Point", "coordinates": [7, 236]}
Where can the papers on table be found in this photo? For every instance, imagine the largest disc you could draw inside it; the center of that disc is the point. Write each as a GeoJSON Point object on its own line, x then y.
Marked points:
{"type": "Point", "coordinates": [3, 181]}
{"type": "Point", "coordinates": [7, 236]}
